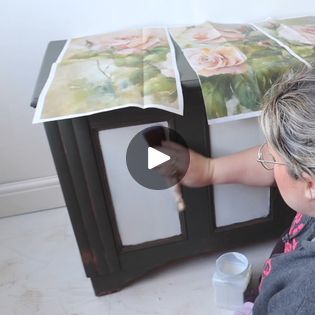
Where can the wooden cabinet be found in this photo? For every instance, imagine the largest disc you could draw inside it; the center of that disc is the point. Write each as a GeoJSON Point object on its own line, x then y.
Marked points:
{"type": "Point", "coordinates": [108, 231]}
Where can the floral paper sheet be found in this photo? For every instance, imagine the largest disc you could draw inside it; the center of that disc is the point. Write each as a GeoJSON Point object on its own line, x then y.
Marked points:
{"type": "Point", "coordinates": [110, 71]}
{"type": "Point", "coordinates": [236, 65]}
{"type": "Point", "coordinates": [297, 34]}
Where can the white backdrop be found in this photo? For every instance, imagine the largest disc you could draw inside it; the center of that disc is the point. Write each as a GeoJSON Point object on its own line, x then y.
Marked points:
{"type": "Point", "coordinates": [27, 26]}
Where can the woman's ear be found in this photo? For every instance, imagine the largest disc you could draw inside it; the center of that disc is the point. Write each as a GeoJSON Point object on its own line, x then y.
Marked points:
{"type": "Point", "coordinates": [310, 186]}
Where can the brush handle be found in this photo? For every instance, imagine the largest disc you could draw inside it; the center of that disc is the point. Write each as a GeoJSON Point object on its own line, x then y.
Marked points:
{"type": "Point", "coordinates": [179, 198]}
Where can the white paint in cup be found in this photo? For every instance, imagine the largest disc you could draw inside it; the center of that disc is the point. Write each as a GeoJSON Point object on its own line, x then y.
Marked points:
{"type": "Point", "coordinates": [230, 280]}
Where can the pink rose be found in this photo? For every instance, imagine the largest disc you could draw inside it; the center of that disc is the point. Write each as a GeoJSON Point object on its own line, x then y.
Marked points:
{"type": "Point", "coordinates": [216, 60]}
{"type": "Point", "coordinates": [203, 34]}
{"type": "Point", "coordinates": [231, 34]}
{"type": "Point", "coordinates": [128, 42]}
{"type": "Point", "coordinates": [207, 34]}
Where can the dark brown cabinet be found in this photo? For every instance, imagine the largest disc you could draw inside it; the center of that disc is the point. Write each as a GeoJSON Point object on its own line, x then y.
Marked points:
{"type": "Point", "coordinates": [79, 149]}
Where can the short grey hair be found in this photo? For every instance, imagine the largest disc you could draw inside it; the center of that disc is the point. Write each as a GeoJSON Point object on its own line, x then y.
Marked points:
{"type": "Point", "coordinates": [288, 120]}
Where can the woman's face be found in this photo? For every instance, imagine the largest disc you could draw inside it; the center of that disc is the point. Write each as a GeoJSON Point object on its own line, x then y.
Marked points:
{"type": "Point", "coordinates": [292, 190]}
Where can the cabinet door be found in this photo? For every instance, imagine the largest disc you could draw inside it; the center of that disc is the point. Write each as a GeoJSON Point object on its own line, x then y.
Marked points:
{"type": "Point", "coordinates": [143, 227]}
{"type": "Point", "coordinates": [141, 215]}
{"type": "Point", "coordinates": [236, 214]}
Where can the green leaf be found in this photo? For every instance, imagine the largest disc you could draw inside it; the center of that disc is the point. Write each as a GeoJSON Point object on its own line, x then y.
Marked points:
{"type": "Point", "coordinates": [156, 55]}
{"type": "Point", "coordinates": [159, 84]}
{"type": "Point", "coordinates": [128, 60]}
{"type": "Point", "coordinates": [246, 89]}
{"type": "Point", "coordinates": [304, 51]}
{"type": "Point", "coordinates": [214, 99]}
{"type": "Point", "coordinates": [150, 71]}
{"type": "Point", "coordinates": [159, 50]}
{"type": "Point", "coordinates": [136, 76]}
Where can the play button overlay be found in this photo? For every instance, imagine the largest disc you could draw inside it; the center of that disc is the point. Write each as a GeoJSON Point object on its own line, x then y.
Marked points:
{"type": "Point", "coordinates": [156, 158]}
{"type": "Point", "coordinates": [157, 166]}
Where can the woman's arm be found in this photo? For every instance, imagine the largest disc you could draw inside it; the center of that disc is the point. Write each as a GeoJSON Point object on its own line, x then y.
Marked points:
{"type": "Point", "coordinates": [239, 168]}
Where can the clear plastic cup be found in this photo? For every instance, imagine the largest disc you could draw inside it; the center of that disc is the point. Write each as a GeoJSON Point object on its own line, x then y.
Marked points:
{"type": "Point", "coordinates": [231, 279]}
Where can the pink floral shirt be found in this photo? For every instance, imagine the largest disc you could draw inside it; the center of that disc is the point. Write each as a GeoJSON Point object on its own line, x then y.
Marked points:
{"type": "Point", "coordinates": [287, 284]}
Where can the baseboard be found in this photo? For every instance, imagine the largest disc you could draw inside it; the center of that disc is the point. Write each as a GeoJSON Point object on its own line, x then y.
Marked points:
{"type": "Point", "coordinates": [30, 195]}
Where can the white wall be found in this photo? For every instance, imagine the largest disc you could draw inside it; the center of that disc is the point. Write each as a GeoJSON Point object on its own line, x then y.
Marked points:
{"type": "Point", "coordinates": [27, 26]}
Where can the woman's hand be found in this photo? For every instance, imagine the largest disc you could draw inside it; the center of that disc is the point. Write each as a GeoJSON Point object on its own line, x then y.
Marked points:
{"type": "Point", "coordinates": [200, 169]}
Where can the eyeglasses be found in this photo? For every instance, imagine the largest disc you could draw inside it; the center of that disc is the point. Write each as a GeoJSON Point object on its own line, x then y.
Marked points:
{"type": "Point", "coordinates": [266, 159]}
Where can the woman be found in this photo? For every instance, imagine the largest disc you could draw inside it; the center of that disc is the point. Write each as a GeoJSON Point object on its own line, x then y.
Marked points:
{"type": "Point", "coordinates": [287, 159]}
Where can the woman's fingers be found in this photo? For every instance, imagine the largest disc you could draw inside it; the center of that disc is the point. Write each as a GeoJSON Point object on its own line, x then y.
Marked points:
{"type": "Point", "coordinates": [173, 146]}
{"type": "Point", "coordinates": [176, 167]}
{"type": "Point", "coordinates": [168, 151]}
{"type": "Point", "coordinates": [166, 169]}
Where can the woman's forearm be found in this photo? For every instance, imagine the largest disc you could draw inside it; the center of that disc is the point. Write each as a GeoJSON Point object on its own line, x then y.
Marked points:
{"type": "Point", "coordinates": [241, 168]}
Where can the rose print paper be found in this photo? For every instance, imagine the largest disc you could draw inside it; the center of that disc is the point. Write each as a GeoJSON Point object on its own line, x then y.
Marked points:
{"type": "Point", "coordinates": [236, 65]}
{"type": "Point", "coordinates": [110, 71]}
{"type": "Point", "coordinates": [298, 34]}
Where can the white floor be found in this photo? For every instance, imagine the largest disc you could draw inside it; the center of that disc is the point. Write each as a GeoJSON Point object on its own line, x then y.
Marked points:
{"type": "Point", "coordinates": [41, 273]}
